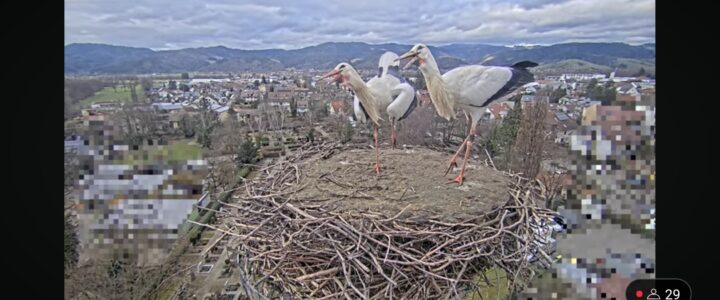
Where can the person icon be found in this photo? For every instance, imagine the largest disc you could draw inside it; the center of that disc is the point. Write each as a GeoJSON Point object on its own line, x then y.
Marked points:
{"type": "Point", "coordinates": [653, 295]}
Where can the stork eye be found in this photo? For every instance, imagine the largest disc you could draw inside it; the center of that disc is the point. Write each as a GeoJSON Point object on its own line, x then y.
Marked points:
{"type": "Point", "coordinates": [341, 66]}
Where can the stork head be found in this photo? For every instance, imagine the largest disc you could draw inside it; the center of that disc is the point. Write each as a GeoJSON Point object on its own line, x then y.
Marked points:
{"type": "Point", "coordinates": [419, 53]}
{"type": "Point", "coordinates": [341, 72]}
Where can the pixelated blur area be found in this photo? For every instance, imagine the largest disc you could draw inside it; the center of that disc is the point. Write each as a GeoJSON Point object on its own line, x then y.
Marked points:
{"type": "Point", "coordinates": [134, 199]}
{"type": "Point", "coordinates": [609, 213]}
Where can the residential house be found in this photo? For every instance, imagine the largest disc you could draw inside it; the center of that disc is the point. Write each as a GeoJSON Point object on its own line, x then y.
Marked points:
{"type": "Point", "coordinates": [219, 108]}
{"type": "Point", "coordinates": [509, 104]}
{"type": "Point", "coordinates": [280, 95]}
{"type": "Point", "coordinates": [165, 107]}
{"type": "Point", "coordinates": [497, 111]}
{"type": "Point", "coordinates": [300, 92]}
{"type": "Point", "coordinates": [205, 82]}
{"type": "Point", "coordinates": [532, 89]}
{"type": "Point", "coordinates": [566, 100]}
{"type": "Point", "coordinates": [564, 127]}
{"type": "Point", "coordinates": [277, 105]}
{"type": "Point", "coordinates": [94, 115]}
{"type": "Point", "coordinates": [561, 116]}
{"type": "Point", "coordinates": [628, 93]}
{"type": "Point", "coordinates": [227, 114]}
{"type": "Point", "coordinates": [245, 94]}
{"type": "Point", "coordinates": [105, 106]}
{"type": "Point", "coordinates": [174, 119]}
{"type": "Point", "coordinates": [302, 106]}
{"type": "Point", "coordinates": [582, 76]}
{"type": "Point", "coordinates": [527, 98]}
{"type": "Point", "coordinates": [246, 115]}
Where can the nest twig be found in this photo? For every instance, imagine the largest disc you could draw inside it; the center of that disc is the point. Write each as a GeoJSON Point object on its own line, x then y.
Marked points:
{"type": "Point", "coordinates": [310, 251]}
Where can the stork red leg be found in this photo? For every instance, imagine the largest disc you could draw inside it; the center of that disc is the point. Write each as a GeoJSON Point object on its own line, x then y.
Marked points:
{"type": "Point", "coordinates": [377, 150]}
{"type": "Point", "coordinates": [393, 137]}
{"type": "Point", "coordinates": [452, 162]}
{"type": "Point", "coordinates": [468, 147]}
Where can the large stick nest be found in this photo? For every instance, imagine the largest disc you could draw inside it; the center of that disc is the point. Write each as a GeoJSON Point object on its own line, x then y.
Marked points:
{"type": "Point", "coordinates": [312, 249]}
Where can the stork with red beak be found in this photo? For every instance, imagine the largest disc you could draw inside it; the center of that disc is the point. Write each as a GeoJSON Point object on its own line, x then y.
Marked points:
{"type": "Point", "coordinates": [387, 91]}
{"type": "Point", "coordinates": [471, 88]}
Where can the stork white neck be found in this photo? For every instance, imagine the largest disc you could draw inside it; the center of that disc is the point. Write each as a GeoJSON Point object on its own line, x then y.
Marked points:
{"type": "Point", "coordinates": [439, 95]}
{"type": "Point", "coordinates": [364, 94]}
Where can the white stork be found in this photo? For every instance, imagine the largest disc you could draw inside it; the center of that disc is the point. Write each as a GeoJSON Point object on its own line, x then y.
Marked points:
{"type": "Point", "coordinates": [471, 88]}
{"type": "Point", "coordinates": [386, 91]}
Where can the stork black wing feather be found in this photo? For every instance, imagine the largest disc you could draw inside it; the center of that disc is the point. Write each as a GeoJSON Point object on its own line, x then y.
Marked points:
{"type": "Point", "coordinates": [524, 65]}
{"type": "Point", "coordinates": [518, 78]}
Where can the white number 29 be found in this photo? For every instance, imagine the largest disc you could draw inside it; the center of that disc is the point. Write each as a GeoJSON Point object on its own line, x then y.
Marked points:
{"type": "Point", "coordinates": [672, 294]}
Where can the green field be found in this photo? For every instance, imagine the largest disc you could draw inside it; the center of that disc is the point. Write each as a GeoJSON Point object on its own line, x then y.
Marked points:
{"type": "Point", "coordinates": [178, 151]}
{"type": "Point", "coordinates": [498, 286]}
{"type": "Point", "coordinates": [184, 150]}
{"type": "Point", "coordinates": [194, 215]}
{"type": "Point", "coordinates": [119, 94]}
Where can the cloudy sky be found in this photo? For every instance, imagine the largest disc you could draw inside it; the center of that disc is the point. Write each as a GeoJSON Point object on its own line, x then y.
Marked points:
{"type": "Point", "coordinates": [162, 24]}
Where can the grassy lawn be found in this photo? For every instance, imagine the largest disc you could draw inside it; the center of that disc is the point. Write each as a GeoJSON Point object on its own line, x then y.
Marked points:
{"type": "Point", "coordinates": [184, 150]}
{"type": "Point", "coordinates": [108, 94]}
{"type": "Point", "coordinates": [194, 215]}
{"type": "Point", "coordinates": [177, 150]}
{"type": "Point", "coordinates": [491, 291]}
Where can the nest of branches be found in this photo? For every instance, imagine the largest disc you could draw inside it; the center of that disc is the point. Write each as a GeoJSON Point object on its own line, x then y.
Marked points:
{"type": "Point", "coordinates": [307, 250]}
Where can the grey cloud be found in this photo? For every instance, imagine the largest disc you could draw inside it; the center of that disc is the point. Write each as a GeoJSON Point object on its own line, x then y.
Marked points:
{"type": "Point", "coordinates": [293, 24]}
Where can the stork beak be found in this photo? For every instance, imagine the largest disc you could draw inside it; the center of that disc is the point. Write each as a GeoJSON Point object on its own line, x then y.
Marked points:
{"type": "Point", "coordinates": [407, 65]}
{"type": "Point", "coordinates": [329, 74]}
{"type": "Point", "coordinates": [411, 53]}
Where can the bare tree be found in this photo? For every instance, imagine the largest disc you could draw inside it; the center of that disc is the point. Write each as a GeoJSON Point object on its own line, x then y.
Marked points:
{"type": "Point", "coordinates": [127, 124]}
{"type": "Point", "coordinates": [137, 125]}
{"type": "Point", "coordinates": [222, 172]}
{"type": "Point", "coordinates": [146, 83]}
{"type": "Point", "coordinates": [281, 118]}
{"type": "Point", "coordinates": [208, 122]}
{"type": "Point", "coordinates": [528, 148]}
{"type": "Point", "coordinates": [259, 122]}
{"type": "Point", "coordinates": [133, 93]}
{"type": "Point", "coordinates": [113, 279]}
{"type": "Point", "coordinates": [228, 137]}
{"type": "Point", "coordinates": [551, 186]}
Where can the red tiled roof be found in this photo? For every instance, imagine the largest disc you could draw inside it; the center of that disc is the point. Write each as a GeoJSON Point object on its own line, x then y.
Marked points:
{"type": "Point", "coordinates": [497, 109]}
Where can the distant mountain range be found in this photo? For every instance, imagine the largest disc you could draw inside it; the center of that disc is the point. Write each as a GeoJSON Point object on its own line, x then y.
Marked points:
{"type": "Point", "coordinates": [87, 59]}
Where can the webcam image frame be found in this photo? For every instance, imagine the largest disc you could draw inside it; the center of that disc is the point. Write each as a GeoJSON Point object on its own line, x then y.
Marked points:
{"type": "Point", "coordinates": [316, 150]}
